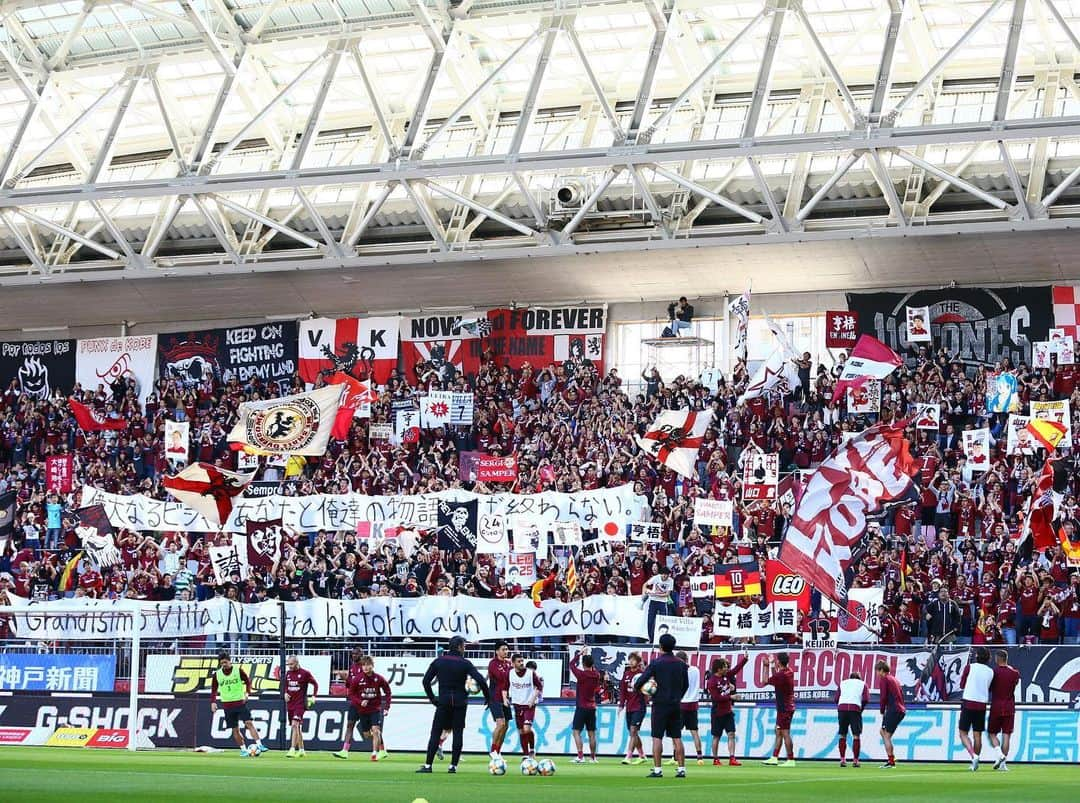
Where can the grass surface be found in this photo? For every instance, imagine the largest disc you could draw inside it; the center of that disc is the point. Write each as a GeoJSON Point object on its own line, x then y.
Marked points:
{"type": "Point", "coordinates": [46, 774]}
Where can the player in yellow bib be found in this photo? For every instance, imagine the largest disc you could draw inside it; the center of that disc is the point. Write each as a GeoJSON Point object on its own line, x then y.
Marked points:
{"type": "Point", "coordinates": [231, 686]}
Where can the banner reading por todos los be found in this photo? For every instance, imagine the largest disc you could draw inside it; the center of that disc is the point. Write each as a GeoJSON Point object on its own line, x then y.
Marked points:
{"type": "Point", "coordinates": [342, 512]}
{"type": "Point", "coordinates": [425, 617]}
{"type": "Point", "coordinates": [39, 366]}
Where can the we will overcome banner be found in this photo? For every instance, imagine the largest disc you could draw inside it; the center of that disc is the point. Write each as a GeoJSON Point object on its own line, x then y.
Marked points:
{"type": "Point", "coordinates": [426, 617]}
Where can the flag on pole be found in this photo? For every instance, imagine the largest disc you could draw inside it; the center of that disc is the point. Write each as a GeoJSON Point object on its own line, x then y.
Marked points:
{"type": "Point", "coordinates": [571, 577]}
{"type": "Point", "coordinates": [740, 308]}
{"type": "Point", "coordinates": [1043, 504]}
{"type": "Point", "coordinates": [871, 469]}
{"type": "Point", "coordinates": [675, 438]}
{"type": "Point", "coordinates": [208, 490]}
{"type": "Point", "coordinates": [542, 587]}
{"type": "Point", "coordinates": [904, 570]}
{"type": "Point", "coordinates": [298, 424]}
{"type": "Point", "coordinates": [70, 576]}
{"type": "Point", "coordinates": [477, 327]}
{"type": "Point", "coordinates": [870, 359]}
{"type": "Point", "coordinates": [90, 420]}
{"type": "Point", "coordinates": [1071, 550]}
{"type": "Point", "coordinates": [1048, 433]}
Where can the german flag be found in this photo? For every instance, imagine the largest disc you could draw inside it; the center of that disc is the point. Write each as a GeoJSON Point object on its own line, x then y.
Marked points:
{"type": "Point", "coordinates": [1071, 550]}
{"type": "Point", "coordinates": [737, 580]}
{"type": "Point", "coordinates": [1048, 433]}
{"type": "Point", "coordinates": [70, 576]}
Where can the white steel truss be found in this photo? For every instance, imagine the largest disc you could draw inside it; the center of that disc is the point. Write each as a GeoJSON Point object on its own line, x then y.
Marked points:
{"type": "Point", "coordinates": [163, 137]}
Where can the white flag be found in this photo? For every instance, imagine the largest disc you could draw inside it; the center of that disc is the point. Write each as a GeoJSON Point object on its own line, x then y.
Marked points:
{"type": "Point", "coordinates": [775, 375]}
{"type": "Point", "coordinates": [299, 424]}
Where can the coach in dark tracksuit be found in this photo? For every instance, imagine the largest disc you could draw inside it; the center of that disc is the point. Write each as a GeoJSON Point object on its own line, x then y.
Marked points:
{"type": "Point", "coordinates": [672, 680]}
{"type": "Point", "coordinates": [450, 669]}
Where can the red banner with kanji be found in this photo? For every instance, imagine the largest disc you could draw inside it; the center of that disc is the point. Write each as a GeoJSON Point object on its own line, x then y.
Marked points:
{"type": "Point", "coordinates": [59, 470]}
{"type": "Point", "coordinates": [841, 329]}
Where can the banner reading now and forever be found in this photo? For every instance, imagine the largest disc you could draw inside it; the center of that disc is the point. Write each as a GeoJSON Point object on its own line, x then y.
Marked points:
{"type": "Point", "coordinates": [426, 617]}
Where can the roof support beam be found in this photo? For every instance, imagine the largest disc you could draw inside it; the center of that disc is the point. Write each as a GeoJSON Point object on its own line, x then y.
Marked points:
{"type": "Point", "coordinates": [212, 43]}
{"type": "Point", "coordinates": [528, 106]}
{"type": "Point", "coordinates": [481, 209]}
{"type": "Point", "coordinates": [605, 107]}
{"type": "Point", "coordinates": [217, 226]}
{"type": "Point", "coordinates": [352, 239]}
{"type": "Point", "coordinates": [64, 134]}
{"type": "Point", "coordinates": [455, 115]}
{"type": "Point", "coordinates": [842, 168]}
{"type": "Point", "coordinates": [720, 200]}
{"type": "Point", "coordinates": [763, 185]}
{"type": "Point", "coordinates": [888, 56]}
{"type": "Point", "coordinates": [268, 222]}
{"type": "Point", "coordinates": [25, 244]}
{"type": "Point", "coordinates": [427, 214]}
{"type": "Point", "coordinates": [764, 76]}
{"type": "Point", "coordinates": [71, 235]}
{"type": "Point", "coordinates": [373, 97]}
{"type": "Point", "coordinates": [888, 189]}
{"type": "Point", "coordinates": [956, 181]}
{"type": "Point", "coordinates": [932, 73]}
{"type": "Point", "coordinates": [827, 63]}
{"type": "Point", "coordinates": [695, 85]}
{"type": "Point", "coordinates": [106, 151]}
{"type": "Point", "coordinates": [652, 63]}
{"type": "Point", "coordinates": [60, 56]}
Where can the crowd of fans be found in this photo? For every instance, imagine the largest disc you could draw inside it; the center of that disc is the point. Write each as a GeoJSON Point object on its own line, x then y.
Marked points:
{"type": "Point", "coordinates": [572, 427]}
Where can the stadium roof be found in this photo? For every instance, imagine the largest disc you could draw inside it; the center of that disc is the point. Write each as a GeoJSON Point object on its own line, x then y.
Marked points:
{"type": "Point", "coordinates": [148, 138]}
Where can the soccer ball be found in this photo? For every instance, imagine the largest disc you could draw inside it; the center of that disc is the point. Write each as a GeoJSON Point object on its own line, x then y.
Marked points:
{"type": "Point", "coordinates": [649, 687]}
{"type": "Point", "coordinates": [529, 766]}
{"type": "Point", "coordinates": [253, 750]}
{"type": "Point", "coordinates": [546, 767]}
{"type": "Point", "coordinates": [497, 766]}
{"type": "Point", "coordinates": [471, 686]}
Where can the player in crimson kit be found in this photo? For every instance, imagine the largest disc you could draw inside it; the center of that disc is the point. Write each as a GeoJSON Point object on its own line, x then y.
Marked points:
{"type": "Point", "coordinates": [1002, 707]}
{"type": "Point", "coordinates": [634, 703]}
{"type": "Point", "coordinates": [499, 682]}
{"type": "Point", "coordinates": [783, 680]}
{"type": "Point", "coordinates": [297, 701]}
{"type": "Point", "coordinates": [721, 690]}
{"type": "Point", "coordinates": [892, 709]}
{"type": "Point", "coordinates": [369, 702]}
{"type": "Point", "coordinates": [588, 684]}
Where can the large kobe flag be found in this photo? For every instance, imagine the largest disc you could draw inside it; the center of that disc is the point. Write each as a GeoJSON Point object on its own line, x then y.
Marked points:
{"type": "Point", "coordinates": [869, 470]}
{"type": "Point", "coordinates": [299, 424]}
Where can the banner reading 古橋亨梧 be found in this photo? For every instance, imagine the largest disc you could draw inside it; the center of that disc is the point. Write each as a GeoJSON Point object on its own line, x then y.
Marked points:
{"type": "Point", "coordinates": [978, 326]}
{"type": "Point", "coordinates": [425, 617]}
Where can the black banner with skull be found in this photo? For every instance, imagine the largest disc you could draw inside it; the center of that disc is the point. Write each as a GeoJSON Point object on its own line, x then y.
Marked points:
{"type": "Point", "coordinates": [266, 351]}
{"type": "Point", "coordinates": [38, 366]}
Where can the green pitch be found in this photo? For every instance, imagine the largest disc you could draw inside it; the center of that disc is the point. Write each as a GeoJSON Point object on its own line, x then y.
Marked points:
{"type": "Point", "coordinates": [47, 774]}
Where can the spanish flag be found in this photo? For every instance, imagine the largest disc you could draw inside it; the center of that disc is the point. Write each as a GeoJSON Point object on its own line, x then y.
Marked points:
{"type": "Point", "coordinates": [571, 576]}
{"type": "Point", "coordinates": [737, 580]}
{"type": "Point", "coordinates": [541, 587]}
{"type": "Point", "coordinates": [1048, 433]}
{"type": "Point", "coordinates": [70, 576]}
{"type": "Point", "coordinates": [904, 570]}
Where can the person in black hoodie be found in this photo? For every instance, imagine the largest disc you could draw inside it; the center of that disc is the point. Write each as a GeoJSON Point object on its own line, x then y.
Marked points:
{"type": "Point", "coordinates": [450, 671]}
{"type": "Point", "coordinates": [672, 680]}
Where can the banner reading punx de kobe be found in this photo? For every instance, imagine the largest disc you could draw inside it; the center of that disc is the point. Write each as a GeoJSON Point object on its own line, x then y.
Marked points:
{"type": "Point", "coordinates": [101, 360]}
{"type": "Point", "coordinates": [342, 512]}
{"type": "Point", "coordinates": [980, 326]}
{"type": "Point", "coordinates": [385, 617]}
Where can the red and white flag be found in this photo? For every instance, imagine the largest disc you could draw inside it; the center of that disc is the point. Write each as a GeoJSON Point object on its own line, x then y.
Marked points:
{"type": "Point", "coordinates": [208, 490]}
{"type": "Point", "coordinates": [355, 403]}
{"type": "Point", "coordinates": [1043, 505]}
{"type": "Point", "coordinates": [870, 359]}
{"type": "Point", "coordinates": [364, 348]}
{"type": "Point", "coordinates": [1066, 302]}
{"type": "Point", "coordinates": [869, 470]}
{"type": "Point", "coordinates": [90, 420]}
{"type": "Point", "coordinates": [675, 438]}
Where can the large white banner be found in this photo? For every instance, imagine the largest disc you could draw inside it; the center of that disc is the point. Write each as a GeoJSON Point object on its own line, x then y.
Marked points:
{"type": "Point", "coordinates": [426, 617]}
{"type": "Point", "coordinates": [342, 512]}
{"type": "Point", "coordinates": [100, 360]}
